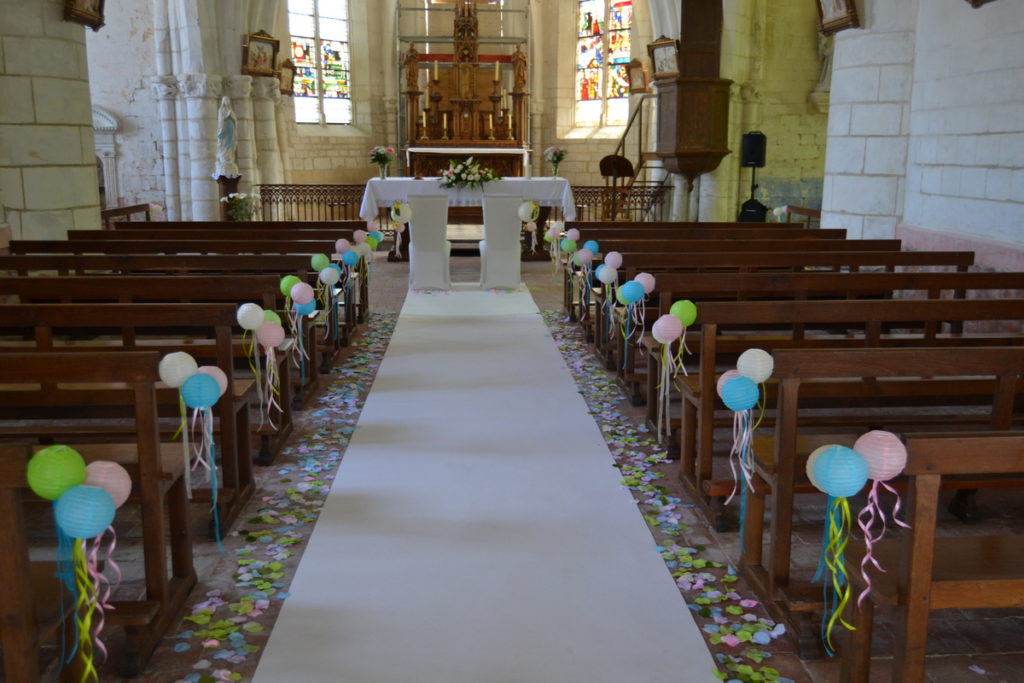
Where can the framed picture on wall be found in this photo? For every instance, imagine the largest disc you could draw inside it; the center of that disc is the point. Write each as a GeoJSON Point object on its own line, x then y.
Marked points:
{"type": "Point", "coordinates": [637, 71]}
{"type": "Point", "coordinates": [836, 15]}
{"type": "Point", "coordinates": [88, 12]}
{"type": "Point", "coordinates": [664, 54]}
{"type": "Point", "coordinates": [259, 54]}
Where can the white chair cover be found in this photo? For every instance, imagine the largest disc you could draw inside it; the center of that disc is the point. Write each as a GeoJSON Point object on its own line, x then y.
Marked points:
{"type": "Point", "coordinates": [429, 251]}
{"type": "Point", "coordinates": [500, 249]}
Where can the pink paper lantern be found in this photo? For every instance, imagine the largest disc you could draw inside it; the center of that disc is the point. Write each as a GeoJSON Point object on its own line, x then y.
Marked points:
{"type": "Point", "coordinates": [341, 246]}
{"type": "Point", "coordinates": [726, 376]}
{"type": "Point", "coordinates": [110, 477]}
{"type": "Point", "coordinates": [667, 329]}
{"type": "Point", "coordinates": [360, 236]}
{"type": "Point", "coordinates": [613, 259]}
{"type": "Point", "coordinates": [573, 234]}
{"type": "Point", "coordinates": [884, 453]}
{"type": "Point", "coordinates": [270, 334]}
{"type": "Point", "coordinates": [584, 257]}
{"type": "Point", "coordinates": [647, 280]}
{"type": "Point", "coordinates": [217, 374]}
{"type": "Point", "coordinates": [302, 293]}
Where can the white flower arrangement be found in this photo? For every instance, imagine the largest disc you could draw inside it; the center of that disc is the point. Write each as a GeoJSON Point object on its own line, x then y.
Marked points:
{"type": "Point", "coordinates": [241, 207]}
{"type": "Point", "coordinates": [466, 173]}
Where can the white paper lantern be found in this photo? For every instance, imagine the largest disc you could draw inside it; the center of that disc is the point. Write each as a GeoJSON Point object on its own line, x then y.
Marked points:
{"type": "Point", "coordinates": [608, 275]}
{"type": "Point", "coordinates": [177, 367]}
{"type": "Point", "coordinates": [249, 316]}
{"type": "Point", "coordinates": [755, 364]}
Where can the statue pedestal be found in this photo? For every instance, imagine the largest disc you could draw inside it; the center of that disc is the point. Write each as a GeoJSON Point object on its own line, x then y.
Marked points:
{"type": "Point", "coordinates": [226, 185]}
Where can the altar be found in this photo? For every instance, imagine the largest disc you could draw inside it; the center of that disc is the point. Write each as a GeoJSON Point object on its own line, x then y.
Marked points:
{"type": "Point", "coordinates": [549, 192]}
{"type": "Point", "coordinates": [507, 161]}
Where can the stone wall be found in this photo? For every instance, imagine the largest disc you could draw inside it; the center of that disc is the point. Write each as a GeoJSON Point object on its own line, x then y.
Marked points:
{"type": "Point", "coordinates": [48, 176]}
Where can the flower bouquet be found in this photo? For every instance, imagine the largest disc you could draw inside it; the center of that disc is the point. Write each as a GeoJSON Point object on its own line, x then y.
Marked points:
{"type": "Point", "coordinates": [555, 156]}
{"type": "Point", "coordinates": [241, 207]}
{"type": "Point", "coordinates": [466, 174]}
{"type": "Point", "coordinates": [382, 156]}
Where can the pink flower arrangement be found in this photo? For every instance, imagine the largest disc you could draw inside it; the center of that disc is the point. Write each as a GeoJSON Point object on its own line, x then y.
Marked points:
{"type": "Point", "coordinates": [382, 156]}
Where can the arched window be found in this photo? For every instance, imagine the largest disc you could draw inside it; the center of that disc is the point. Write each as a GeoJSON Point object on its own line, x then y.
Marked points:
{"type": "Point", "coordinates": [602, 55]}
{"type": "Point", "coordinates": [320, 51]}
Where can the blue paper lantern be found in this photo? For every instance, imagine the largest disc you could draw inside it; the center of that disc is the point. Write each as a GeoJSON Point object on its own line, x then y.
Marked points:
{"type": "Point", "coordinates": [377, 235]}
{"type": "Point", "coordinates": [739, 393]}
{"type": "Point", "coordinates": [632, 291]}
{"type": "Point", "coordinates": [306, 308]}
{"type": "Point", "coordinates": [840, 472]}
{"type": "Point", "coordinates": [200, 391]}
{"type": "Point", "coordinates": [350, 258]}
{"type": "Point", "coordinates": [85, 511]}
{"type": "Point", "coordinates": [592, 245]}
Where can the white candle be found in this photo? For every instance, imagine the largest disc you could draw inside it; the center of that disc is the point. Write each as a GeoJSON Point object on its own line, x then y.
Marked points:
{"type": "Point", "coordinates": [497, 73]}
{"type": "Point", "coordinates": [490, 122]}
{"type": "Point", "coordinates": [435, 69]}
{"type": "Point", "coordinates": [446, 122]}
{"type": "Point", "coordinates": [510, 133]}
{"type": "Point", "coordinates": [424, 120]}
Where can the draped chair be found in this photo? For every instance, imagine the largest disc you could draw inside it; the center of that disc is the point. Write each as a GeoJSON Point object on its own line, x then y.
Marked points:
{"type": "Point", "coordinates": [500, 250]}
{"type": "Point", "coordinates": [429, 250]}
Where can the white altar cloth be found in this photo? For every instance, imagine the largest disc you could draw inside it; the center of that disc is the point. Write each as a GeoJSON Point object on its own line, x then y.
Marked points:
{"type": "Point", "coordinates": [545, 191]}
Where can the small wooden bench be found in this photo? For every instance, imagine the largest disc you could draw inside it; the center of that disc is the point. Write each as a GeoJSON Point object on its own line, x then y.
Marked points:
{"type": "Point", "coordinates": [924, 572]}
{"type": "Point", "coordinates": [167, 543]}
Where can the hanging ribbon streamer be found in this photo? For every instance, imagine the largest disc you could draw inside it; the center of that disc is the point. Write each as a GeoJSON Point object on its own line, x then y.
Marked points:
{"type": "Point", "coordinates": [85, 607]}
{"type": "Point", "coordinates": [838, 533]}
{"type": "Point", "coordinates": [201, 392]}
{"type": "Point", "coordinates": [101, 585]}
{"type": "Point", "coordinates": [175, 369]}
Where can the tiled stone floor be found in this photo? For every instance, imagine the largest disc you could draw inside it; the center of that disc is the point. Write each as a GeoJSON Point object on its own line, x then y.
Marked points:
{"type": "Point", "coordinates": [981, 645]}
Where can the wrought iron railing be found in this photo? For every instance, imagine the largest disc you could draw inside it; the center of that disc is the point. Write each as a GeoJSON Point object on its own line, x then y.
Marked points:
{"type": "Point", "coordinates": [637, 203]}
{"type": "Point", "coordinates": [310, 202]}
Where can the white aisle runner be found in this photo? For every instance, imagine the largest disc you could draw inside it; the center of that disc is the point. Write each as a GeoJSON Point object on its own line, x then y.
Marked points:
{"type": "Point", "coordinates": [477, 531]}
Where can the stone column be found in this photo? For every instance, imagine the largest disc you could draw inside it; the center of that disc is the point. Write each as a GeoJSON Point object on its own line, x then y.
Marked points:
{"type": "Point", "coordinates": [48, 179]}
{"type": "Point", "coordinates": [239, 89]}
{"type": "Point", "coordinates": [202, 94]}
{"type": "Point", "coordinates": [266, 94]}
{"type": "Point", "coordinates": [165, 90]}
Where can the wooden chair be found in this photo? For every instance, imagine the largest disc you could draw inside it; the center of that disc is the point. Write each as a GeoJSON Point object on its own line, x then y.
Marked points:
{"type": "Point", "coordinates": [615, 197]}
{"type": "Point", "coordinates": [925, 572]}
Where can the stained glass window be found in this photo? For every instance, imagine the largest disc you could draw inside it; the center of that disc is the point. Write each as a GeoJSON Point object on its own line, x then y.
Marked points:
{"type": "Point", "coordinates": [320, 51]}
{"type": "Point", "coordinates": [602, 52]}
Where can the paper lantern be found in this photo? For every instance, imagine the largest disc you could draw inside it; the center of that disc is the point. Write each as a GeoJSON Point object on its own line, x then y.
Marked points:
{"type": "Point", "coordinates": [306, 308]}
{"type": "Point", "coordinates": [529, 211]}
{"type": "Point", "coordinates": [363, 249]}
{"type": "Point", "coordinates": [84, 511]}
{"type": "Point", "coordinates": [350, 258]}
{"type": "Point", "coordinates": [573, 234]}
{"type": "Point", "coordinates": [726, 376]}
{"type": "Point", "coordinates": [593, 246]}
{"type": "Point", "coordinates": [608, 274]}
{"type": "Point", "coordinates": [632, 291]}
{"type": "Point", "coordinates": [757, 364]}
{"type": "Point", "coordinates": [271, 317]}
{"type": "Point", "coordinates": [201, 391]}
{"type": "Point", "coordinates": [176, 367]}
{"type": "Point", "coordinates": [341, 246]}
{"type": "Point", "coordinates": [360, 236]}
{"type": "Point", "coordinates": [329, 276]}
{"type": "Point", "coordinates": [249, 316]}
{"type": "Point", "coordinates": [217, 374]}
{"type": "Point", "coordinates": [812, 459]}
{"type": "Point", "coordinates": [613, 259]}
{"type": "Point", "coordinates": [53, 470]}
{"type": "Point", "coordinates": [319, 261]}
{"type": "Point", "coordinates": [401, 212]}
{"type": "Point", "coordinates": [647, 280]}
{"type": "Point", "coordinates": [667, 329]}
{"type": "Point", "coordinates": [551, 235]}
{"type": "Point", "coordinates": [270, 334]}
{"type": "Point", "coordinates": [568, 244]}
{"type": "Point", "coordinates": [840, 472]}
{"type": "Point", "coordinates": [302, 293]}
{"type": "Point", "coordinates": [739, 394]}
{"type": "Point", "coordinates": [884, 453]}
{"type": "Point", "coordinates": [287, 282]}
{"type": "Point", "coordinates": [583, 257]}
{"type": "Point", "coordinates": [685, 310]}
{"type": "Point", "coordinates": [377, 235]}
{"type": "Point", "coordinates": [110, 477]}
{"type": "Point", "coordinates": [371, 242]}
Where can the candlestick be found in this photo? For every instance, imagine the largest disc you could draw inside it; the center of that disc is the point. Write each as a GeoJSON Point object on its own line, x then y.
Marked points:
{"type": "Point", "coordinates": [510, 127]}
{"type": "Point", "coordinates": [435, 69]}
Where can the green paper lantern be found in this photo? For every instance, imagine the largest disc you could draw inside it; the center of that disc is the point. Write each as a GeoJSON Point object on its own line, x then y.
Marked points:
{"type": "Point", "coordinates": [372, 241]}
{"type": "Point", "coordinates": [319, 262]}
{"type": "Point", "coordinates": [685, 310]}
{"type": "Point", "coordinates": [271, 317]}
{"type": "Point", "coordinates": [54, 470]}
{"type": "Point", "coordinates": [287, 282]}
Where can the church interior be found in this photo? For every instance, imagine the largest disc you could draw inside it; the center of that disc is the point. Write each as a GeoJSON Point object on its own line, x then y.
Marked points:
{"type": "Point", "coordinates": [462, 341]}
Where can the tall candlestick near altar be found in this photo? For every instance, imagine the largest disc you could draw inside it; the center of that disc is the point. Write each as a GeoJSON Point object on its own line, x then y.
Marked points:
{"type": "Point", "coordinates": [497, 69]}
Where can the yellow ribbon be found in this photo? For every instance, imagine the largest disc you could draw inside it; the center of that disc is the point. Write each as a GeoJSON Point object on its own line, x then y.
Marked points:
{"type": "Point", "coordinates": [838, 537]}
{"type": "Point", "coordinates": [84, 609]}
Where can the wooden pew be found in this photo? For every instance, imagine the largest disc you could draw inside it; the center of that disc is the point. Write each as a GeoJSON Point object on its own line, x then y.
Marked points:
{"type": "Point", "coordinates": [673, 225]}
{"type": "Point", "coordinates": [159, 489]}
{"type": "Point", "coordinates": [699, 231]}
{"type": "Point", "coordinates": [924, 572]}
{"type": "Point", "coordinates": [236, 289]}
{"type": "Point", "coordinates": [150, 327]}
{"type": "Point", "coordinates": [883, 377]}
{"type": "Point", "coordinates": [343, 315]}
{"type": "Point", "coordinates": [244, 226]}
{"type": "Point", "coordinates": [215, 232]}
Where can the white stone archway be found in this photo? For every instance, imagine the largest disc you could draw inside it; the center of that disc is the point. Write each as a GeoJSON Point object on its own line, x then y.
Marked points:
{"type": "Point", "coordinates": [105, 126]}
